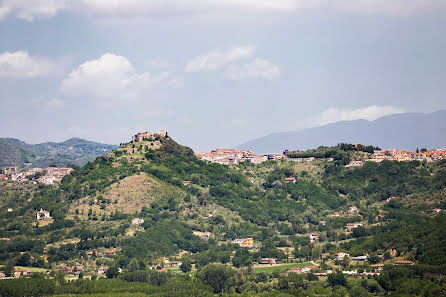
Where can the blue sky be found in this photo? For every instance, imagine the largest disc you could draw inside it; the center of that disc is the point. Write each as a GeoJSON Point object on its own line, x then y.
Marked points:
{"type": "Point", "coordinates": [213, 75]}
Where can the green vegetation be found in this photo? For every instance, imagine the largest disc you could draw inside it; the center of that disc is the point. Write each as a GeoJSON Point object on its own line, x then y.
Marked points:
{"type": "Point", "coordinates": [195, 224]}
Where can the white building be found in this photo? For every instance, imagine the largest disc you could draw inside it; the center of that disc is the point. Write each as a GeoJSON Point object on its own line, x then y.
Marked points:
{"type": "Point", "coordinates": [137, 221]}
{"type": "Point", "coordinates": [43, 214]}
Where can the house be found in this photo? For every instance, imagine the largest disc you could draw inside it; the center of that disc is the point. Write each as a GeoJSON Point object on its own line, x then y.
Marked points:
{"type": "Point", "coordinates": [377, 267]}
{"type": "Point", "coordinates": [10, 171]}
{"type": "Point", "coordinates": [173, 264]}
{"type": "Point", "coordinates": [102, 270]}
{"type": "Point", "coordinates": [355, 164]}
{"type": "Point", "coordinates": [295, 270]}
{"type": "Point", "coordinates": [66, 270]}
{"type": "Point", "coordinates": [48, 180]}
{"type": "Point", "coordinates": [268, 261]}
{"type": "Point", "coordinates": [325, 255]}
{"type": "Point", "coordinates": [379, 217]}
{"type": "Point", "coordinates": [390, 198]}
{"type": "Point", "coordinates": [186, 182]}
{"type": "Point", "coordinates": [340, 256]}
{"type": "Point", "coordinates": [314, 236]}
{"type": "Point", "coordinates": [322, 223]}
{"type": "Point", "coordinates": [352, 209]}
{"type": "Point", "coordinates": [43, 214]}
{"type": "Point", "coordinates": [403, 262]}
{"type": "Point", "coordinates": [437, 210]}
{"type": "Point", "coordinates": [9, 209]}
{"type": "Point", "coordinates": [359, 258]}
{"type": "Point", "coordinates": [335, 214]}
{"type": "Point", "coordinates": [137, 221]}
{"type": "Point", "coordinates": [351, 226]}
{"type": "Point", "coordinates": [244, 242]}
{"type": "Point", "coordinates": [90, 253]}
{"type": "Point", "coordinates": [2, 177]}
{"type": "Point", "coordinates": [250, 179]}
{"type": "Point", "coordinates": [5, 239]}
{"type": "Point", "coordinates": [110, 253]}
{"type": "Point", "coordinates": [205, 235]}
{"type": "Point", "coordinates": [290, 180]}
{"type": "Point", "coordinates": [309, 268]}
{"type": "Point", "coordinates": [79, 268]}
{"type": "Point", "coordinates": [2, 275]}
{"type": "Point", "coordinates": [22, 272]}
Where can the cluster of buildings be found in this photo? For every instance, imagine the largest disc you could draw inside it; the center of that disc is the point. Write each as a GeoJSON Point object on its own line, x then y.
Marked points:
{"type": "Point", "coordinates": [234, 156]}
{"type": "Point", "coordinates": [402, 156]}
{"type": "Point", "coordinates": [145, 136]}
{"type": "Point", "coordinates": [49, 176]}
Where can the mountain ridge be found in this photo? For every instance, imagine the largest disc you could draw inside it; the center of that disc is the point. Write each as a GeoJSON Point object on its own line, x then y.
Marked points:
{"type": "Point", "coordinates": [399, 131]}
{"type": "Point", "coordinates": [15, 152]}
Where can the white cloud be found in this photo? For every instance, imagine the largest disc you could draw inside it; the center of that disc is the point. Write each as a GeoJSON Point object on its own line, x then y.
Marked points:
{"type": "Point", "coordinates": [257, 68]}
{"type": "Point", "coordinates": [112, 77]}
{"type": "Point", "coordinates": [31, 9]}
{"type": "Point", "coordinates": [21, 65]}
{"type": "Point", "coordinates": [218, 59]}
{"type": "Point", "coordinates": [332, 115]}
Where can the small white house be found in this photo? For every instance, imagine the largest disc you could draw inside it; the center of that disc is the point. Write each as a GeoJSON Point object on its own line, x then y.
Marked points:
{"type": "Point", "coordinates": [43, 214]}
{"type": "Point", "coordinates": [137, 221]}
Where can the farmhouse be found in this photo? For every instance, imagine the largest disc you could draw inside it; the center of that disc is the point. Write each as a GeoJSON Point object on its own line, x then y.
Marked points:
{"type": "Point", "coordinates": [137, 221]}
{"type": "Point", "coordinates": [42, 214]}
{"type": "Point", "coordinates": [340, 256]}
{"type": "Point", "coordinates": [267, 261]}
{"type": "Point", "coordinates": [290, 180]}
{"type": "Point", "coordinates": [295, 270]}
{"type": "Point", "coordinates": [314, 236]}
{"type": "Point", "coordinates": [244, 242]}
{"type": "Point", "coordinates": [351, 226]}
{"type": "Point", "coordinates": [22, 272]}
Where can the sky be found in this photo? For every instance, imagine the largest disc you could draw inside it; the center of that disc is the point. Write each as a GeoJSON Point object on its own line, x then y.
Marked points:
{"type": "Point", "coordinates": [214, 73]}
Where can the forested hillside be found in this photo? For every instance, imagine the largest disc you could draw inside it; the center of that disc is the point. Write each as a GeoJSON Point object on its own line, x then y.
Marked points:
{"type": "Point", "coordinates": [14, 152]}
{"type": "Point", "coordinates": [191, 211]}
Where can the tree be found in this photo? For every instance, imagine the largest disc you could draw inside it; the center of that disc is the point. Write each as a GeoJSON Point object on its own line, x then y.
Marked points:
{"type": "Point", "coordinates": [186, 266]}
{"type": "Point", "coordinates": [337, 279]}
{"type": "Point", "coordinates": [112, 272]}
{"type": "Point", "coordinates": [242, 258]}
{"type": "Point", "coordinates": [360, 232]}
{"type": "Point", "coordinates": [219, 277]}
{"type": "Point", "coordinates": [9, 268]}
{"type": "Point", "coordinates": [133, 265]}
{"type": "Point", "coordinates": [312, 277]}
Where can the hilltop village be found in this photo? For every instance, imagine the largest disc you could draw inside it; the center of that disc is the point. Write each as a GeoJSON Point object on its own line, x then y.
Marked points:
{"type": "Point", "coordinates": [234, 156]}
{"type": "Point", "coordinates": [48, 176]}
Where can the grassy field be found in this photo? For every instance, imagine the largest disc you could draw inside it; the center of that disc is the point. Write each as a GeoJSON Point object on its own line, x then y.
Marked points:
{"type": "Point", "coordinates": [280, 268]}
{"type": "Point", "coordinates": [33, 269]}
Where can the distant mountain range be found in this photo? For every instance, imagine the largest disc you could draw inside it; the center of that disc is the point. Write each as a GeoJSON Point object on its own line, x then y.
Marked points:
{"type": "Point", "coordinates": [14, 152]}
{"type": "Point", "coordinates": [398, 131]}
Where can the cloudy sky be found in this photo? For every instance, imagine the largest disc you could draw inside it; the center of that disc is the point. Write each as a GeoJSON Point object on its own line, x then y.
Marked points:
{"type": "Point", "coordinates": [214, 73]}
